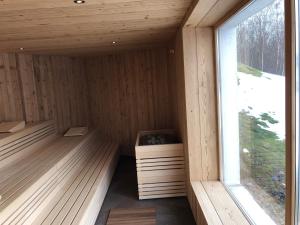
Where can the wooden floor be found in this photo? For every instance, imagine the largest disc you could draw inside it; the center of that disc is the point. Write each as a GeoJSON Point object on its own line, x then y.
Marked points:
{"type": "Point", "coordinates": [132, 216]}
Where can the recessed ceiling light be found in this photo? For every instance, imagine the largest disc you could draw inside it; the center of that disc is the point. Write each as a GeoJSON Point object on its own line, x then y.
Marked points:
{"type": "Point", "coordinates": [79, 1]}
{"type": "Point", "coordinates": [114, 42]}
{"type": "Point", "coordinates": [21, 49]}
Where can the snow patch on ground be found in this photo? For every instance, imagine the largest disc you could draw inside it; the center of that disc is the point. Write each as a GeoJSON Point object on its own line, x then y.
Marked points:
{"type": "Point", "coordinates": [265, 94]}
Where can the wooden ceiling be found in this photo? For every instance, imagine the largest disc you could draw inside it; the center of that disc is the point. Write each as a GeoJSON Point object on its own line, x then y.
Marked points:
{"type": "Point", "coordinates": [61, 26]}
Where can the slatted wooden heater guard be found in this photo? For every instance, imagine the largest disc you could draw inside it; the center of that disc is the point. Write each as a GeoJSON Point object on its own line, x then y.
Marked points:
{"type": "Point", "coordinates": [160, 168]}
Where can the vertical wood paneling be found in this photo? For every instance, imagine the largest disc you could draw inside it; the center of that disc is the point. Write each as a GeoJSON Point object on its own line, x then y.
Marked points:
{"type": "Point", "coordinates": [38, 88]}
{"type": "Point", "coordinates": [200, 99]}
{"type": "Point", "coordinates": [28, 87]}
{"type": "Point", "coordinates": [129, 92]}
{"type": "Point", "coordinates": [179, 100]}
{"type": "Point", "coordinates": [10, 93]}
{"type": "Point", "coordinates": [61, 90]}
{"type": "Point", "coordinates": [126, 92]}
{"type": "Point", "coordinates": [207, 103]}
{"type": "Point", "coordinates": [196, 118]}
{"type": "Point", "coordinates": [192, 94]}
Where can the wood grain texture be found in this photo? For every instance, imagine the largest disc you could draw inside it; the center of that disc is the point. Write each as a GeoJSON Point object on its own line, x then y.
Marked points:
{"type": "Point", "coordinates": [79, 199]}
{"type": "Point", "coordinates": [197, 12]}
{"type": "Point", "coordinates": [204, 211]}
{"type": "Point", "coordinates": [176, 65]}
{"type": "Point", "coordinates": [130, 92]}
{"type": "Point", "coordinates": [11, 107]}
{"type": "Point", "coordinates": [15, 146]}
{"type": "Point", "coordinates": [39, 88]}
{"type": "Point", "coordinates": [21, 184]}
{"type": "Point", "coordinates": [134, 216]}
{"type": "Point", "coordinates": [226, 208]}
{"type": "Point", "coordinates": [200, 92]}
{"type": "Point", "coordinates": [64, 181]}
{"type": "Point", "coordinates": [193, 88]}
{"type": "Point", "coordinates": [214, 206]}
{"type": "Point", "coordinates": [41, 26]}
{"type": "Point", "coordinates": [61, 90]}
{"type": "Point", "coordinates": [211, 13]}
{"type": "Point", "coordinates": [28, 88]}
{"type": "Point", "coordinates": [217, 11]}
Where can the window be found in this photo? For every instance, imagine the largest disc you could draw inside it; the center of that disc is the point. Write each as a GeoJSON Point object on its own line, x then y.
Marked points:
{"type": "Point", "coordinates": [252, 110]}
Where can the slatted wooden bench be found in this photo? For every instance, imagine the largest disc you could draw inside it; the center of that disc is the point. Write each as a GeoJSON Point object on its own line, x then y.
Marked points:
{"type": "Point", "coordinates": [80, 199]}
{"type": "Point", "coordinates": [36, 183]}
{"type": "Point", "coordinates": [25, 177]}
{"type": "Point", "coordinates": [15, 146]}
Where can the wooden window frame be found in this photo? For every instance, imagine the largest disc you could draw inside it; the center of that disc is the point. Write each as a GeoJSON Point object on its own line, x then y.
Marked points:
{"type": "Point", "coordinates": [197, 19]}
{"type": "Point", "coordinates": [291, 217]}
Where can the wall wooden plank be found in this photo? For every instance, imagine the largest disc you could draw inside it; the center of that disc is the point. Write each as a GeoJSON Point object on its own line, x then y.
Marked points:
{"type": "Point", "coordinates": [62, 90]}
{"type": "Point", "coordinates": [38, 88]}
{"type": "Point", "coordinates": [207, 103]}
{"type": "Point", "coordinates": [125, 93]}
{"type": "Point", "coordinates": [29, 88]}
{"type": "Point", "coordinates": [192, 104]}
{"type": "Point", "coordinates": [197, 117]}
{"type": "Point", "coordinates": [194, 107]}
{"type": "Point", "coordinates": [129, 92]}
{"type": "Point", "coordinates": [10, 94]}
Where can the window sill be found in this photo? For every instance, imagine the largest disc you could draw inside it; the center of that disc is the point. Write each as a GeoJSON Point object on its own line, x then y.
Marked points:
{"type": "Point", "coordinates": [256, 213]}
{"type": "Point", "coordinates": [216, 205]}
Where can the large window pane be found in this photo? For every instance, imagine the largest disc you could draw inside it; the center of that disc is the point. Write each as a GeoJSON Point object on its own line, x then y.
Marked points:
{"type": "Point", "coordinates": [252, 109]}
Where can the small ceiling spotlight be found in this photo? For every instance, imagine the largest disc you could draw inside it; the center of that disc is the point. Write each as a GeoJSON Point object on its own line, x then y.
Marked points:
{"type": "Point", "coordinates": [22, 49]}
{"type": "Point", "coordinates": [114, 42]}
{"type": "Point", "coordinates": [79, 1]}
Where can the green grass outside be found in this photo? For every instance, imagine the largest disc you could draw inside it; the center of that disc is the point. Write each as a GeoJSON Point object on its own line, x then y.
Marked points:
{"type": "Point", "coordinates": [249, 70]}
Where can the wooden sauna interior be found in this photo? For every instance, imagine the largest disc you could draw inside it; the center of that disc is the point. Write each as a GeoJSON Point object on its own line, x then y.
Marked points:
{"type": "Point", "coordinates": [117, 67]}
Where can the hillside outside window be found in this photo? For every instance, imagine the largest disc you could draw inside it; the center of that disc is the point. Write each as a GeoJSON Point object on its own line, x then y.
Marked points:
{"type": "Point", "coordinates": [251, 62]}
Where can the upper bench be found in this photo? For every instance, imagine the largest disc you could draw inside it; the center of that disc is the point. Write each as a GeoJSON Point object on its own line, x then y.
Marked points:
{"type": "Point", "coordinates": [15, 146]}
{"type": "Point", "coordinates": [64, 179]}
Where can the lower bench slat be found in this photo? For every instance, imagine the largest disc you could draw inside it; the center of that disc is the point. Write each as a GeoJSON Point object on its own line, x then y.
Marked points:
{"type": "Point", "coordinates": [63, 184]}
{"type": "Point", "coordinates": [77, 191]}
{"type": "Point", "coordinates": [90, 209]}
{"type": "Point", "coordinates": [72, 205]}
{"type": "Point", "coordinates": [49, 190]}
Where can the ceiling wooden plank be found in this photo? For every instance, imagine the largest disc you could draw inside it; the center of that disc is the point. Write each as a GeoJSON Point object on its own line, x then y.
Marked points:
{"type": "Point", "coordinates": [133, 6]}
{"type": "Point", "coordinates": [127, 38]}
{"type": "Point", "coordinates": [156, 15]}
{"type": "Point", "coordinates": [48, 25]}
{"type": "Point", "coordinates": [92, 29]}
{"type": "Point", "coordinates": [11, 5]}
